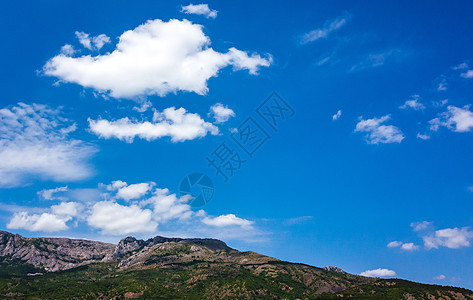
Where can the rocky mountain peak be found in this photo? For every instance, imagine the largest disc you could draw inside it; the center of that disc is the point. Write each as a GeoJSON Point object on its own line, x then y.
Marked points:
{"type": "Point", "coordinates": [334, 269]}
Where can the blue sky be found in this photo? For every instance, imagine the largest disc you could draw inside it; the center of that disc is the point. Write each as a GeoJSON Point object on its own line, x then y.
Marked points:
{"type": "Point", "coordinates": [108, 105]}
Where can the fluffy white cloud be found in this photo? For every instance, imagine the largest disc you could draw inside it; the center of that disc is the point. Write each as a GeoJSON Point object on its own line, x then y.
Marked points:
{"type": "Point", "coordinates": [67, 50]}
{"type": "Point", "coordinates": [94, 43]}
{"type": "Point", "coordinates": [221, 113]}
{"type": "Point", "coordinates": [155, 58]}
{"type": "Point", "coordinates": [37, 222]}
{"type": "Point", "coordinates": [34, 143]}
{"type": "Point", "coordinates": [134, 191]}
{"type": "Point", "coordinates": [120, 208]}
{"type": "Point", "coordinates": [440, 277]}
{"type": "Point", "coordinates": [49, 194]}
{"type": "Point", "coordinates": [227, 220]}
{"type": "Point", "coordinates": [378, 273]}
{"type": "Point", "coordinates": [455, 118]}
{"type": "Point", "coordinates": [325, 31]}
{"type": "Point", "coordinates": [66, 210]}
{"type": "Point", "coordinates": [452, 238]}
{"type": "Point", "coordinates": [413, 103]}
{"type": "Point", "coordinates": [129, 192]}
{"type": "Point", "coordinates": [175, 123]}
{"type": "Point", "coordinates": [337, 115]}
{"type": "Point", "coordinates": [115, 219]}
{"type": "Point", "coordinates": [52, 221]}
{"type": "Point", "coordinates": [378, 133]}
{"type": "Point", "coordinates": [200, 9]}
{"type": "Point", "coordinates": [167, 206]}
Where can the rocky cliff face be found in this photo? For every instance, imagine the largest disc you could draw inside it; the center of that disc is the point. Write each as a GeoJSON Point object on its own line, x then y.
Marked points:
{"type": "Point", "coordinates": [56, 254]}
{"type": "Point", "coordinates": [51, 254]}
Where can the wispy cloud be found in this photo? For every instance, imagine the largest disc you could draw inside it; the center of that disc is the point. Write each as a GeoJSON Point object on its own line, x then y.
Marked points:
{"type": "Point", "coordinates": [375, 60]}
{"type": "Point", "coordinates": [337, 115]}
{"type": "Point", "coordinates": [35, 144]}
{"type": "Point", "coordinates": [323, 32]}
{"type": "Point", "coordinates": [413, 103]}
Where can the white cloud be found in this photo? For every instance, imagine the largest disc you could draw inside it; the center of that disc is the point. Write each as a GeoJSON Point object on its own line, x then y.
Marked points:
{"type": "Point", "coordinates": [413, 103]}
{"type": "Point", "coordinates": [404, 246]}
{"type": "Point", "coordinates": [156, 58]}
{"type": "Point", "coordinates": [323, 61]}
{"type": "Point", "coordinates": [420, 226]}
{"type": "Point", "coordinates": [49, 194]}
{"type": "Point", "coordinates": [221, 113]}
{"type": "Point", "coordinates": [423, 136]}
{"type": "Point", "coordinates": [409, 247]}
{"type": "Point", "coordinates": [84, 39]}
{"type": "Point", "coordinates": [452, 238]}
{"type": "Point", "coordinates": [34, 144]}
{"type": "Point", "coordinates": [134, 191]}
{"type": "Point", "coordinates": [375, 60]}
{"type": "Point", "coordinates": [52, 221]}
{"type": "Point", "coordinates": [200, 9]}
{"type": "Point", "coordinates": [394, 244]}
{"type": "Point", "coordinates": [67, 50]}
{"type": "Point", "coordinates": [94, 43]}
{"type": "Point", "coordinates": [167, 206]}
{"type": "Point", "coordinates": [440, 103]}
{"type": "Point", "coordinates": [442, 85]}
{"type": "Point", "coordinates": [378, 273]}
{"type": "Point", "coordinates": [100, 40]}
{"type": "Point", "coordinates": [467, 74]}
{"type": "Point", "coordinates": [323, 32]}
{"type": "Point", "coordinates": [37, 222]}
{"type": "Point", "coordinates": [227, 220]}
{"type": "Point", "coordinates": [116, 185]}
{"type": "Point", "coordinates": [66, 209]}
{"type": "Point", "coordinates": [129, 192]}
{"type": "Point", "coordinates": [175, 123]}
{"type": "Point", "coordinates": [455, 118]}
{"type": "Point", "coordinates": [440, 277]}
{"type": "Point", "coordinates": [461, 66]}
{"type": "Point", "coordinates": [115, 219]}
{"type": "Point", "coordinates": [337, 115]}
{"type": "Point", "coordinates": [140, 208]}
{"type": "Point", "coordinates": [377, 133]}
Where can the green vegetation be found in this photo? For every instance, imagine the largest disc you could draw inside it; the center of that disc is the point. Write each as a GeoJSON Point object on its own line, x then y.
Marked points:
{"type": "Point", "coordinates": [204, 280]}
